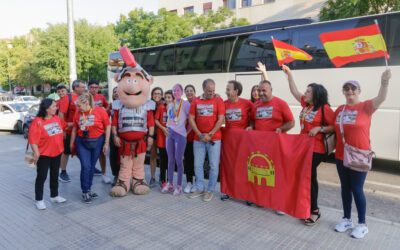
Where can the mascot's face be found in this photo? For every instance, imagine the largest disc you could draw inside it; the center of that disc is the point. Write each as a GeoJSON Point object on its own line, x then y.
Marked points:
{"type": "Point", "coordinates": [133, 88]}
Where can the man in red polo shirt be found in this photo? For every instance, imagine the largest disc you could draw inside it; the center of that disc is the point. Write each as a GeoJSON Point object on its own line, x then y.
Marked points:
{"type": "Point", "coordinates": [67, 112]}
{"type": "Point", "coordinates": [206, 116]}
{"type": "Point", "coordinates": [99, 101]}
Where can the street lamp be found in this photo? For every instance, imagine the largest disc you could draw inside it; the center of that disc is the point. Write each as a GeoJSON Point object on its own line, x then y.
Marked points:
{"type": "Point", "coordinates": [8, 69]}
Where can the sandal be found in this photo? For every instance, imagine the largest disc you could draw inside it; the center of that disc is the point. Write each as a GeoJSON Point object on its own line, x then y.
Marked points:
{"type": "Point", "coordinates": [311, 222]}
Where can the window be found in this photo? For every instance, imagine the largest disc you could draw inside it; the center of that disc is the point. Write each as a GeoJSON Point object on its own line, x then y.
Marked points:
{"type": "Point", "coordinates": [158, 61]}
{"type": "Point", "coordinates": [246, 3]}
{"type": "Point", "coordinates": [207, 7]}
{"type": "Point", "coordinates": [189, 10]}
{"type": "Point", "coordinates": [230, 4]}
{"type": "Point", "coordinates": [269, 1]}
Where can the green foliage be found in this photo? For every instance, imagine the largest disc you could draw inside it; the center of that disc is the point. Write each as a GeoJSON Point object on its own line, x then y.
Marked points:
{"type": "Point", "coordinates": [336, 9]}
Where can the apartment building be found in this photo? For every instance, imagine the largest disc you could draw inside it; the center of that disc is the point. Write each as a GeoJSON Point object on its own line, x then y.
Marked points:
{"type": "Point", "coordinates": [255, 11]}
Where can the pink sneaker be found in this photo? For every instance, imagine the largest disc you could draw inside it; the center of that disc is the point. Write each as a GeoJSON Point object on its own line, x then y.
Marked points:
{"type": "Point", "coordinates": [167, 187]}
{"type": "Point", "coordinates": [177, 191]}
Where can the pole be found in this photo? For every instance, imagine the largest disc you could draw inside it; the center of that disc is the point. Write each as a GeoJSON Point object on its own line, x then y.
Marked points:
{"type": "Point", "coordinates": [71, 44]}
{"type": "Point", "coordinates": [383, 43]}
{"type": "Point", "coordinates": [8, 70]}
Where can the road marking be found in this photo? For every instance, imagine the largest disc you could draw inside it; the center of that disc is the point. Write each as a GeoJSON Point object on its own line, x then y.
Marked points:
{"type": "Point", "coordinates": [382, 184]}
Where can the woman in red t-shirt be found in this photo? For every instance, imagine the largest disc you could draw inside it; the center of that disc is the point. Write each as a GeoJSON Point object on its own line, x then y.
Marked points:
{"type": "Point", "coordinates": [92, 132]}
{"type": "Point", "coordinates": [356, 125]}
{"type": "Point", "coordinates": [315, 105]}
{"type": "Point", "coordinates": [162, 132]}
{"type": "Point", "coordinates": [46, 140]}
{"type": "Point", "coordinates": [188, 162]}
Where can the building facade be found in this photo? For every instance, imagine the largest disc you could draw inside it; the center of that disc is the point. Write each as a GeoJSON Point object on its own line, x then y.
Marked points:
{"type": "Point", "coordinates": [255, 11]}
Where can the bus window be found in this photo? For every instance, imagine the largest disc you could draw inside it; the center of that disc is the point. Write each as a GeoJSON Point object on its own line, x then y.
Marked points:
{"type": "Point", "coordinates": [393, 38]}
{"type": "Point", "coordinates": [250, 49]}
{"type": "Point", "coordinates": [199, 57]}
{"type": "Point", "coordinates": [228, 45]}
{"type": "Point", "coordinates": [159, 60]}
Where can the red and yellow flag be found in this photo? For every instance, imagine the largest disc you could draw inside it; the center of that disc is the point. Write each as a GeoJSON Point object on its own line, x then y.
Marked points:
{"type": "Point", "coordinates": [353, 45]}
{"type": "Point", "coordinates": [287, 53]}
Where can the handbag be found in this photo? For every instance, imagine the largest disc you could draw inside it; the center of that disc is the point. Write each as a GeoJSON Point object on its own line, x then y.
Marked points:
{"type": "Point", "coordinates": [29, 159]}
{"type": "Point", "coordinates": [329, 138]}
{"type": "Point", "coordinates": [354, 158]}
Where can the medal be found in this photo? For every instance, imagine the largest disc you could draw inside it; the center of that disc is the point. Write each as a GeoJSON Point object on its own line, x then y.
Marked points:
{"type": "Point", "coordinates": [177, 112]}
{"type": "Point", "coordinates": [305, 113]}
{"type": "Point", "coordinates": [302, 126]}
{"type": "Point", "coordinates": [85, 119]}
{"type": "Point", "coordinates": [82, 128]}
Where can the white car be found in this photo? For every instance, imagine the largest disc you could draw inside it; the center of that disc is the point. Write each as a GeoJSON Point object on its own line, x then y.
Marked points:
{"type": "Point", "coordinates": [12, 115]}
{"type": "Point", "coordinates": [27, 98]}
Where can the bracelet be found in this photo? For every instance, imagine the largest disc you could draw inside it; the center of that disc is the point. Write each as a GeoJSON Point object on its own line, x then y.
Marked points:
{"type": "Point", "coordinates": [151, 136]}
{"type": "Point", "coordinates": [201, 137]}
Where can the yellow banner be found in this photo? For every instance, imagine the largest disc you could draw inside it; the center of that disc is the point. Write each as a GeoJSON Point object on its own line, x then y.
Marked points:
{"type": "Point", "coordinates": [282, 54]}
{"type": "Point", "coordinates": [355, 46]}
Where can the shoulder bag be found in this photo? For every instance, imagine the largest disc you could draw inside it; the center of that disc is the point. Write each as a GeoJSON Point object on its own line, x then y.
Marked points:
{"type": "Point", "coordinates": [329, 138]}
{"type": "Point", "coordinates": [354, 158]}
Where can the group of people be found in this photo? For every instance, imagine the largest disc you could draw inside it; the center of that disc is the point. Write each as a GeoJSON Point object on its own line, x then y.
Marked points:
{"type": "Point", "coordinates": [188, 130]}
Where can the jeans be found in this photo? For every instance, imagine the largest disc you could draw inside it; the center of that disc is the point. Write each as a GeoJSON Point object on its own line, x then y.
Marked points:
{"type": "Point", "coordinates": [88, 150]}
{"type": "Point", "coordinates": [43, 165]}
{"type": "Point", "coordinates": [176, 144]}
{"type": "Point", "coordinates": [352, 184]}
{"type": "Point", "coordinates": [199, 151]}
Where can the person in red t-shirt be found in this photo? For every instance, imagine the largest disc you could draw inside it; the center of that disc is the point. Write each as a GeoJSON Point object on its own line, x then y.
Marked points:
{"type": "Point", "coordinates": [206, 117]}
{"type": "Point", "coordinates": [67, 112]}
{"type": "Point", "coordinates": [46, 140]}
{"type": "Point", "coordinates": [356, 122]}
{"type": "Point", "coordinates": [315, 105]}
{"type": "Point", "coordinates": [92, 132]}
{"type": "Point", "coordinates": [160, 120]}
{"type": "Point", "coordinates": [61, 92]}
{"type": "Point", "coordinates": [188, 159]}
{"type": "Point", "coordinates": [99, 101]}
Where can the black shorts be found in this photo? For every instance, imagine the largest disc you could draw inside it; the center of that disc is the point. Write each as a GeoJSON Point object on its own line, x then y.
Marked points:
{"type": "Point", "coordinates": [67, 149]}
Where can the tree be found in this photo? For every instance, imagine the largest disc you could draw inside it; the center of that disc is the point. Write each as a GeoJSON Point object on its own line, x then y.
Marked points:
{"type": "Point", "coordinates": [336, 9]}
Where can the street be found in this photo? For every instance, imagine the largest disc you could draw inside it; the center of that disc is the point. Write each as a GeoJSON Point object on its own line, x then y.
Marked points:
{"type": "Point", "coordinates": [163, 221]}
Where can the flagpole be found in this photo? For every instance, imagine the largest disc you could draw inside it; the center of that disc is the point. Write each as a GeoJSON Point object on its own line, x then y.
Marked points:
{"type": "Point", "coordinates": [383, 43]}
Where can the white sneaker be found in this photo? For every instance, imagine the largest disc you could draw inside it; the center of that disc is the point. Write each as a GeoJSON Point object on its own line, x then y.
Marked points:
{"type": "Point", "coordinates": [193, 189]}
{"type": "Point", "coordinates": [188, 187]}
{"type": "Point", "coordinates": [359, 231]}
{"type": "Point", "coordinates": [106, 179]}
{"type": "Point", "coordinates": [344, 225]}
{"type": "Point", "coordinates": [58, 199]}
{"type": "Point", "coordinates": [279, 212]}
{"type": "Point", "coordinates": [40, 205]}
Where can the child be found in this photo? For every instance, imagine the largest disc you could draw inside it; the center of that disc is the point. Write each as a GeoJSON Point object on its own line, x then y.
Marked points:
{"type": "Point", "coordinates": [162, 133]}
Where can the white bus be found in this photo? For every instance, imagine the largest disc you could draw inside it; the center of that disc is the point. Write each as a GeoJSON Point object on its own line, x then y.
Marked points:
{"type": "Point", "coordinates": [233, 53]}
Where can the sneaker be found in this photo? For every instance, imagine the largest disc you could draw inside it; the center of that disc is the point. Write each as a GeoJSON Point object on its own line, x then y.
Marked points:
{"type": "Point", "coordinates": [196, 193]}
{"type": "Point", "coordinates": [208, 196]}
{"type": "Point", "coordinates": [106, 179]}
{"type": "Point", "coordinates": [225, 197]}
{"type": "Point", "coordinates": [40, 205]}
{"type": "Point", "coordinates": [86, 198]}
{"type": "Point", "coordinates": [167, 187]}
{"type": "Point", "coordinates": [344, 225]}
{"type": "Point", "coordinates": [152, 183]}
{"type": "Point", "coordinates": [97, 172]}
{"type": "Point", "coordinates": [188, 187]}
{"type": "Point", "coordinates": [114, 181]}
{"type": "Point", "coordinates": [279, 212]}
{"type": "Point", "coordinates": [93, 195]}
{"type": "Point", "coordinates": [359, 231]}
{"type": "Point", "coordinates": [64, 177]}
{"type": "Point", "coordinates": [177, 191]}
{"type": "Point", "coordinates": [58, 199]}
{"type": "Point", "coordinates": [193, 189]}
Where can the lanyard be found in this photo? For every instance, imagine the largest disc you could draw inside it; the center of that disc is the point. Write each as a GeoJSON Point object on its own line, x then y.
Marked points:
{"type": "Point", "coordinates": [85, 117]}
{"type": "Point", "coordinates": [178, 113]}
{"type": "Point", "coordinates": [305, 113]}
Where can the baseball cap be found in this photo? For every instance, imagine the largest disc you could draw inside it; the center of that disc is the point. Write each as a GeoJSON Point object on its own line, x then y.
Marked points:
{"type": "Point", "coordinates": [352, 82]}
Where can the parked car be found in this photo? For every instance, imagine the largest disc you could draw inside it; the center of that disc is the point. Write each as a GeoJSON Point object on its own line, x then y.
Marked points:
{"type": "Point", "coordinates": [27, 98]}
{"type": "Point", "coordinates": [12, 115]}
{"type": "Point", "coordinates": [28, 118]}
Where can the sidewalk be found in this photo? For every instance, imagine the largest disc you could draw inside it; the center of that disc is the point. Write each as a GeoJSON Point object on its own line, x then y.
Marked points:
{"type": "Point", "coordinates": [156, 221]}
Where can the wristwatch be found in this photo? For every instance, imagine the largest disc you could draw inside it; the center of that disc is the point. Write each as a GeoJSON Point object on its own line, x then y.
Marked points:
{"type": "Point", "coordinates": [321, 130]}
{"type": "Point", "coordinates": [152, 136]}
{"type": "Point", "coordinates": [211, 134]}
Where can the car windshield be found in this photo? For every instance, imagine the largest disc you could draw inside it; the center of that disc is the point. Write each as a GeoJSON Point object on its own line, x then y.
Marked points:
{"type": "Point", "coordinates": [34, 109]}
{"type": "Point", "coordinates": [19, 107]}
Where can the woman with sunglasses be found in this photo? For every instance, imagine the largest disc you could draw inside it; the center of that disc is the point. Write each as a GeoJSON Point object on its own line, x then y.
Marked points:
{"type": "Point", "coordinates": [356, 125]}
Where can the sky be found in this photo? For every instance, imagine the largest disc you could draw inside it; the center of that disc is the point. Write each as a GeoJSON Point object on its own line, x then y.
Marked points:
{"type": "Point", "coordinates": [18, 17]}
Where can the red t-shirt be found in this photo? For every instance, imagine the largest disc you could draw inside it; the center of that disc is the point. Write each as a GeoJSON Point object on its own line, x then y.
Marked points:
{"type": "Point", "coordinates": [161, 116]}
{"type": "Point", "coordinates": [100, 101]}
{"type": "Point", "coordinates": [237, 114]}
{"type": "Point", "coordinates": [96, 122]}
{"type": "Point", "coordinates": [356, 125]}
{"type": "Point", "coordinates": [64, 104]}
{"type": "Point", "coordinates": [310, 119]}
{"type": "Point", "coordinates": [269, 116]}
{"type": "Point", "coordinates": [48, 135]}
{"type": "Point", "coordinates": [206, 114]}
{"type": "Point", "coordinates": [133, 135]}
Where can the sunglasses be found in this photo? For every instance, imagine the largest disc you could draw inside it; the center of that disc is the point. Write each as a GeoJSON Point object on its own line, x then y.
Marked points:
{"type": "Point", "coordinates": [347, 88]}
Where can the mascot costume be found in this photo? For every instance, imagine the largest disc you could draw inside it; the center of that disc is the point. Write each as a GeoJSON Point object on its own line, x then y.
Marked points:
{"type": "Point", "coordinates": [132, 125]}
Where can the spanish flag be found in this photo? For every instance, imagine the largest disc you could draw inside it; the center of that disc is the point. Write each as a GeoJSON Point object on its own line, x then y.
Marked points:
{"type": "Point", "coordinates": [287, 53]}
{"type": "Point", "coordinates": [353, 45]}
